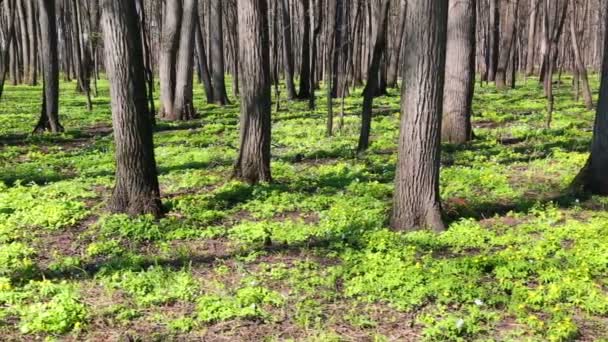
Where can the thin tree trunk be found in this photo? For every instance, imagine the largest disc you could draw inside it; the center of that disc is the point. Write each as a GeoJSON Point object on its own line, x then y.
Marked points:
{"type": "Point", "coordinates": [305, 55]}
{"type": "Point", "coordinates": [183, 106]}
{"type": "Point", "coordinates": [217, 52]}
{"type": "Point", "coordinates": [531, 37]}
{"type": "Point", "coordinates": [202, 61]}
{"type": "Point", "coordinates": [49, 117]}
{"type": "Point", "coordinates": [168, 49]}
{"type": "Point", "coordinates": [507, 42]}
{"type": "Point", "coordinates": [393, 66]}
{"type": "Point", "coordinates": [581, 70]}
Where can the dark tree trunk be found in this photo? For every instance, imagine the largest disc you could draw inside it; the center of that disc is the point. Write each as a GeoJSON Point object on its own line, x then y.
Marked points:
{"type": "Point", "coordinates": [507, 41]}
{"type": "Point", "coordinates": [554, 19]}
{"type": "Point", "coordinates": [183, 106]}
{"type": "Point", "coordinates": [168, 51]}
{"type": "Point", "coordinates": [305, 57]}
{"type": "Point", "coordinates": [338, 47]}
{"type": "Point", "coordinates": [6, 36]}
{"type": "Point", "coordinates": [531, 37]}
{"type": "Point", "coordinates": [372, 75]}
{"type": "Point", "coordinates": [49, 117]}
{"type": "Point", "coordinates": [494, 39]}
{"type": "Point", "coordinates": [287, 50]}
{"type": "Point", "coordinates": [33, 41]}
{"type": "Point", "coordinates": [316, 21]}
{"type": "Point", "coordinates": [253, 163]}
{"type": "Point", "coordinates": [393, 66]}
{"type": "Point", "coordinates": [202, 63]}
{"type": "Point", "coordinates": [459, 72]}
{"type": "Point", "coordinates": [216, 49]}
{"type": "Point", "coordinates": [416, 201]}
{"type": "Point", "coordinates": [594, 176]}
{"type": "Point", "coordinates": [136, 190]}
{"type": "Point", "coordinates": [579, 65]}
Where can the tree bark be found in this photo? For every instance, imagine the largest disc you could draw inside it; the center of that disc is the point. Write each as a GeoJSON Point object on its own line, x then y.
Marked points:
{"type": "Point", "coordinates": [168, 50]}
{"type": "Point", "coordinates": [202, 61]}
{"type": "Point", "coordinates": [305, 56]}
{"type": "Point", "coordinates": [316, 21]}
{"type": "Point", "coordinates": [459, 72]}
{"type": "Point", "coordinates": [509, 25]}
{"type": "Point", "coordinates": [581, 70]}
{"type": "Point", "coordinates": [253, 163]}
{"type": "Point", "coordinates": [6, 36]}
{"type": "Point", "coordinates": [494, 39]}
{"type": "Point", "coordinates": [416, 201]}
{"type": "Point", "coordinates": [287, 50]}
{"type": "Point", "coordinates": [373, 74]}
{"type": "Point", "coordinates": [393, 66]}
{"type": "Point", "coordinates": [136, 190]}
{"type": "Point", "coordinates": [183, 106]}
{"type": "Point", "coordinates": [531, 37]}
{"type": "Point", "coordinates": [49, 117]}
{"type": "Point", "coordinates": [217, 52]}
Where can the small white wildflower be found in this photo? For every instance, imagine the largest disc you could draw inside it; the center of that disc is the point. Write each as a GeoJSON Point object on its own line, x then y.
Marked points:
{"type": "Point", "coordinates": [459, 323]}
{"type": "Point", "coordinates": [478, 302]}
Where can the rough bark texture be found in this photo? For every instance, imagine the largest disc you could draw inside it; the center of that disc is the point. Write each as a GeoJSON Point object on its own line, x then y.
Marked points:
{"type": "Point", "coordinates": [507, 41]}
{"type": "Point", "coordinates": [316, 21]}
{"type": "Point", "coordinates": [287, 49]}
{"type": "Point", "coordinates": [49, 117]}
{"type": "Point", "coordinates": [253, 163]}
{"type": "Point", "coordinates": [581, 70]}
{"type": "Point", "coordinates": [6, 36]}
{"type": "Point", "coordinates": [531, 37]}
{"type": "Point", "coordinates": [372, 75]}
{"type": "Point", "coordinates": [459, 72]}
{"type": "Point", "coordinates": [217, 52]}
{"type": "Point", "coordinates": [393, 66]}
{"type": "Point", "coordinates": [183, 107]}
{"type": "Point", "coordinates": [168, 49]}
{"type": "Point", "coordinates": [494, 40]}
{"type": "Point", "coordinates": [136, 190]}
{"type": "Point", "coordinates": [33, 42]}
{"type": "Point", "coordinates": [202, 61]}
{"type": "Point", "coordinates": [305, 65]}
{"type": "Point", "coordinates": [594, 176]}
{"type": "Point", "coordinates": [416, 201]}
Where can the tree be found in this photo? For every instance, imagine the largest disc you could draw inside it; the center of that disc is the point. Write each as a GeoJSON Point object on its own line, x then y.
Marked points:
{"type": "Point", "coordinates": [49, 117]}
{"type": "Point", "coordinates": [579, 65]}
{"type": "Point", "coordinates": [494, 36]}
{"type": "Point", "coordinates": [507, 42]}
{"type": "Point", "coordinates": [373, 74]}
{"type": "Point", "coordinates": [253, 162]}
{"type": "Point", "coordinates": [183, 106]}
{"type": "Point", "coordinates": [393, 65]}
{"type": "Point", "coordinates": [554, 18]}
{"type": "Point", "coordinates": [531, 36]}
{"type": "Point", "coordinates": [168, 51]}
{"type": "Point", "coordinates": [416, 202]}
{"type": "Point", "coordinates": [6, 36]}
{"type": "Point", "coordinates": [136, 190]}
{"type": "Point", "coordinates": [216, 49]}
{"type": "Point", "coordinates": [287, 50]}
{"type": "Point", "coordinates": [305, 56]}
{"type": "Point", "coordinates": [594, 175]}
{"type": "Point", "coordinates": [316, 18]}
{"type": "Point", "coordinates": [459, 72]}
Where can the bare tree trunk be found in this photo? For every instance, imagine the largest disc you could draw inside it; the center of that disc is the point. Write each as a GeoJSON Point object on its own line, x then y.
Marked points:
{"type": "Point", "coordinates": [316, 21]}
{"type": "Point", "coordinates": [202, 61]}
{"type": "Point", "coordinates": [581, 70]}
{"type": "Point", "coordinates": [183, 107]}
{"type": "Point", "coordinates": [217, 52]}
{"type": "Point", "coordinates": [305, 64]}
{"type": "Point", "coordinates": [253, 163]}
{"type": "Point", "coordinates": [7, 30]}
{"type": "Point", "coordinates": [416, 201]}
{"type": "Point", "coordinates": [33, 41]}
{"type": "Point", "coordinates": [531, 37]}
{"type": "Point", "coordinates": [49, 117]}
{"type": "Point", "coordinates": [494, 39]}
{"type": "Point", "coordinates": [373, 74]}
{"type": "Point", "coordinates": [136, 190]}
{"type": "Point", "coordinates": [459, 72]}
{"type": "Point", "coordinates": [393, 66]}
{"type": "Point", "coordinates": [594, 176]}
{"type": "Point", "coordinates": [507, 42]}
{"type": "Point", "coordinates": [168, 49]}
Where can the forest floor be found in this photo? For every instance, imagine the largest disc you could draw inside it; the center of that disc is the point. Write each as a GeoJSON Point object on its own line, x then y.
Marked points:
{"type": "Point", "coordinates": [522, 260]}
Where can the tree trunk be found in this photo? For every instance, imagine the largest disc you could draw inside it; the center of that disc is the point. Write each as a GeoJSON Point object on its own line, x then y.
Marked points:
{"type": "Point", "coordinates": [168, 50]}
{"type": "Point", "coordinates": [372, 75]}
{"type": "Point", "coordinates": [531, 37]}
{"type": "Point", "coordinates": [183, 107]}
{"type": "Point", "coordinates": [253, 163]}
{"type": "Point", "coordinates": [6, 36]}
{"type": "Point", "coordinates": [202, 61]}
{"type": "Point", "coordinates": [33, 41]}
{"type": "Point", "coordinates": [416, 201]}
{"type": "Point", "coordinates": [316, 21]}
{"type": "Point", "coordinates": [49, 117]}
{"type": "Point", "coordinates": [594, 176]}
{"type": "Point", "coordinates": [581, 70]}
{"type": "Point", "coordinates": [217, 52]}
{"type": "Point", "coordinates": [287, 50]}
{"type": "Point", "coordinates": [136, 190]}
{"type": "Point", "coordinates": [494, 39]}
{"type": "Point", "coordinates": [393, 66]}
{"type": "Point", "coordinates": [459, 72]}
{"type": "Point", "coordinates": [509, 25]}
{"type": "Point", "coordinates": [305, 57]}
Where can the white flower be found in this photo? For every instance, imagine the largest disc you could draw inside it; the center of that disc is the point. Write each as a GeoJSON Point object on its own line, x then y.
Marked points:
{"type": "Point", "coordinates": [459, 323]}
{"type": "Point", "coordinates": [478, 302]}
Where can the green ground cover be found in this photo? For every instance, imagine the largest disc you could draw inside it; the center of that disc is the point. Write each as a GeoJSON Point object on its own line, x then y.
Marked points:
{"type": "Point", "coordinates": [308, 257]}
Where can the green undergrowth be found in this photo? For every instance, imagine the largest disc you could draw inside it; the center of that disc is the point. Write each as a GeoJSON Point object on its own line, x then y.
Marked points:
{"type": "Point", "coordinates": [308, 256]}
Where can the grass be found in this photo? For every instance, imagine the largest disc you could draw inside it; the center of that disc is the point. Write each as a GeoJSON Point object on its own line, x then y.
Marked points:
{"type": "Point", "coordinates": [310, 256]}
